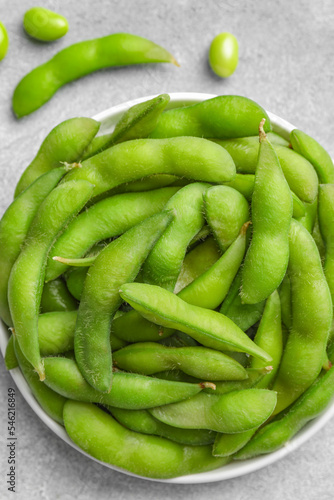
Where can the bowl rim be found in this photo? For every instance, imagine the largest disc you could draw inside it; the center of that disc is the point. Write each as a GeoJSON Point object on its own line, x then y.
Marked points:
{"type": "Point", "coordinates": [108, 118]}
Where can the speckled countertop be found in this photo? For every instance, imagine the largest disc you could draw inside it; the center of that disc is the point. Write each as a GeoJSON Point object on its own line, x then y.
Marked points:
{"type": "Point", "coordinates": [287, 65]}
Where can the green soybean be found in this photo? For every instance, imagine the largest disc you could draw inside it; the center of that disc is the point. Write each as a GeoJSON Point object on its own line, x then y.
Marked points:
{"type": "Point", "coordinates": [148, 358]}
{"type": "Point", "coordinates": [207, 327]}
{"type": "Point", "coordinates": [315, 154]}
{"type": "Point", "coordinates": [64, 144]}
{"type": "Point", "coordinates": [224, 54]}
{"type": "Point", "coordinates": [129, 390]}
{"type": "Point", "coordinates": [56, 297]}
{"type": "Point", "coordinates": [141, 421]}
{"type": "Point", "coordinates": [106, 219]}
{"type": "Point", "coordinates": [220, 117]}
{"type": "Point", "coordinates": [237, 411]}
{"type": "Point", "coordinates": [4, 41]}
{"type": "Point", "coordinates": [190, 157]}
{"type": "Point", "coordinates": [261, 273]}
{"type": "Point", "coordinates": [14, 226]}
{"type": "Point", "coordinates": [75, 279]}
{"type": "Point", "coordinates": [27, 276]}
{"type": "Point", "coordinates": [118, 263]}
{"type": "Point", "coordinates": [164, 262]}
{"type": "Point", "coordinates": [312, 313]}
{"type": "Point", "coordinates": [112, 443]}
{"type": "Point", "coordinates": [226, 210]}
{"type": "Point", "coordinates": [10, 356]}
{"type": "Point", "coordinates": [44, 24]}
{"type": "Point", "coordinates": [136, 123]}
{"type": "Point", "coordinates": [81, 59]}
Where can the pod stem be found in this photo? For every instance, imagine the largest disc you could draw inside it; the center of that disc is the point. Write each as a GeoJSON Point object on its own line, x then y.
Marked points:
{"type": "Point", "coordinates": [262, 134]}
{"type": "Point", "coordinates": [207, 385]}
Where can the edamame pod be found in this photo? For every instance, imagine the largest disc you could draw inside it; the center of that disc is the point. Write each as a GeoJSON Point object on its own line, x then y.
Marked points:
{"type": "Point", "coordinates": [50, 401]}
{"type": "Point", "coordinates": [210, 328]}
{"type": "Point", "coordinates": [141, 421]}
{"type": "Point", "coordinates": [112, 443]}
{"type": "Point", "coordinates": [196, 262]}
{"type": "Point", "coordinates": [136, 123]}
{"type": "Point", "coordinates": [222, 116]}
{"type": "Point", "coordinates": [14, 226]}
{"type": "Point", "coordinates": [118, 263]}
{"type": "Point", "coordinates": [56, 297]}
{"type": "Point", "coordinates": [129, 390]}
{"type": "Point", "coordinates": [10, 356]}
{"type": "Point", "coordinates": [226, 210]}
{"type": "Point", "coordinates": [164, 262]}
{"type": "Point", "coordinates": [27, 276]}
{"type": "Point", "coordinates": [315, 154]}
{"type": "Point", "coordinates": [312, 313]}
{"type": "Point", "coordinates": [326, 221]}
{"type": "Point", "coordinates": [44, 24]}
{"type": "Point", "coordinates": [80, 59]}
{"type": "Point", "coordinates": [190, 157]}
{"type": "Point", "coordinates": [237, 411]}
{"type": "Point", "coordinates": [211, 287]}
{"type": "Point", "coordinates": [64, 144]}
{"type": "Point", "coordinates": [106, 219]}
{"type": "Point", "coordinates": [243, 315]}
{"type": "Point", "coordinates": [3, 41]}
{"type": "Point", "coordinates": [148, 358]}
{"type": "Point", "coordinates": [262, 273]}
{"type": "Point", "coordinates": [275, 434]}
{"type": "Point", "coordinates": [75, 279]}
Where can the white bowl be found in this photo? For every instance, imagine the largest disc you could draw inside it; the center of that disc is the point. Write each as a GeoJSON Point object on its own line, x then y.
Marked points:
{"type": "Point", "coordinates": [235, 469]}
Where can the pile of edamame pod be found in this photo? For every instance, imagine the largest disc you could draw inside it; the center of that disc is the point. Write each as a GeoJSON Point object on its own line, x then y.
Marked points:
{"type": "Point", "coordinates": [169, 285]}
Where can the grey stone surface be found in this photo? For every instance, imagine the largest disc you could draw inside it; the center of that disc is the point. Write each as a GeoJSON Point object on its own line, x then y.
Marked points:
{"type": "Point", "coordinates": [287, 65]}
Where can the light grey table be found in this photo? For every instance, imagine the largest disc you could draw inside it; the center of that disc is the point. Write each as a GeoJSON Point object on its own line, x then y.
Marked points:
{"type": "Point", "coordinates": [287, 65]}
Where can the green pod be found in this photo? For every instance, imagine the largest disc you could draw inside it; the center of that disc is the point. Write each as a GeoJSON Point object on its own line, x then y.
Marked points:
{"type": "Point", "coordinates": [196, 262]}
{"type": "Point", "coordinates": [164, 262]}
{"type": "Point", "coordinates": [285, 298]}
{"type": "Point", "coordinates": [269, 338]}
{"type": "Point", "coordinates": [80, 59]}
{"type": "Point", "coordinates": [243, 315]}
{"type": "Point", "coordinates": [312, 313]}
{"type": "Point", "coordinates": [326, 221]}
{"type": "Point", "coordinates": [14, 226]}
{"type": "Point", "coordinates": [220, 117]}
{"type": "Point", "coordinates": [141, 421]}
{"type": "Point", "coordinates": [226, 211]}
{"type": "Point", "coordinates": [44, 24]}
{"type": "Point", "coordinates": [190, 157]}
{"type": "Point", "coordinates": [237, 411]}
{"type": "Point", "coordinates": [226, 386]}
{"type": "Point", "coordinates": [132, 327]}
{"type": "Point", "coordinates": [118, 263]}
{"type": "Point", "coordinates": [136, 123]}
{"type": "Point", "coordinates": [226, 445]}
{"type": "Point", "coordinates": [244, 184]}
{"type": "Point", "coordinates": [267, 257]}
{"type": "Point", "coordinates": [148, 358]}
{"type": "Point", "coordinates": [4, 41]}
{"type": "Point", "coordinates": [129, 390]}
{"type": "Point", "coordinates": [27, 276]}
{"type": "Point", "coordinates": [309, 405]}
{"type": "Point", "coordinates": [50, 401]}
{"type": "Point", "coordinates": [108, 218]}
{"type": "Point", "coordinates": [178, 339]}
{"type": "Point", "coordinates": [315, 154]}
{"type": "Point", "coordinates": [112, 443]}
{"type": "Point", "coordinates": [75, 279]}
{"type": "Point", "coordinates": [309, 218]}
{"type": "Point", "coordinates": [64, 144]}
{"type": "Point", "coordinates": [210, 288]}
{"type": "Point", "coordinates": [56, 297]}
{"type": "Point", "coordinates": [10, 356]}
{"type": "Point", "coordinates": [207, 327]}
